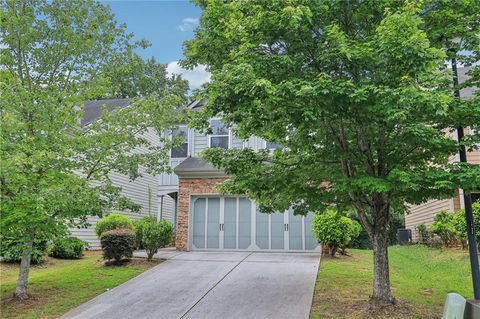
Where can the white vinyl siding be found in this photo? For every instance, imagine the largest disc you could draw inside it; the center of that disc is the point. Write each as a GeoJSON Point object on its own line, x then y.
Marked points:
{"type": "Point", "coordinates": [138, 192]}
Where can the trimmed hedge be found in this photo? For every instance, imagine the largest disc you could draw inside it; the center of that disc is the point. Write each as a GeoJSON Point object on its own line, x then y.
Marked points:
{"type": "Point", "coordinates": [67, 248]}
{"type": "Point", "coordinates": [118, 244]}
{"type": "Point", "coordinates": [112, 221]}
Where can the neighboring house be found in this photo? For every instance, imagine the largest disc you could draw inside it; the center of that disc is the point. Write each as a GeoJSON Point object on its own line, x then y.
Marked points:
{"type": "Point", "coordinates": [137, 190]}
{"type": "Point", "coordinates": [208, 220]}
{"type": "Point", "coordinates": [424, 213]}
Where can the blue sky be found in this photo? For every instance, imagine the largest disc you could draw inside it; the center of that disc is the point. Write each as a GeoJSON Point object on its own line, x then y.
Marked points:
{"type": "Point", "coordinates": [165, 24]}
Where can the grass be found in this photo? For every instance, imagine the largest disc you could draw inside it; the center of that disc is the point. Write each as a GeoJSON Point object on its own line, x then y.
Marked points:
{"type": "Point", "coordinates": [420, 277]}
{"type": "Point", "coordinates": [60, 285]}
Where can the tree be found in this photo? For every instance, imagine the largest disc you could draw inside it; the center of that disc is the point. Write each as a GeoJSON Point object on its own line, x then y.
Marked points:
{"type": "Point", "coordinates": [55, 172]}
{"type": "Point", "coordinates": [334, 230]}
{"type": "Point", "coordinates": [354, 93]}
{"type": "Point", "coordinates": [444, 227]}
{"type": "Point", "coordinates": [132, 76]}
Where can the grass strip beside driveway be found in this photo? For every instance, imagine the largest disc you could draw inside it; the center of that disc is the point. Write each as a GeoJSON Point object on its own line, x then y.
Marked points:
{"type": "Point", "coordinates": [60, 285]}
{"type": "Point", "coordinates": [420, 276]}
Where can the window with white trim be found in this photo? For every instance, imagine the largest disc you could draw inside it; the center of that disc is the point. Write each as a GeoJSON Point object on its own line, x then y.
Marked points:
{"type": "Point", "coordinates": [220, 134]}
{"type": "Point", "coordinates": [180, 132]}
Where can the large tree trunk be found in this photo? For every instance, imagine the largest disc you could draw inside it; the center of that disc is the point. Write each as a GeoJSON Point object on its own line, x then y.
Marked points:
{"type": "Point", "coordinates": [22, 282]}
{"type": "Point", "coordinates": [381, 274]}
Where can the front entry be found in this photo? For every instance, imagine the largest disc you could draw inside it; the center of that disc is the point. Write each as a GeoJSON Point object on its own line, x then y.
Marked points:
{"type": "Point", "coordinates": [234, 223]}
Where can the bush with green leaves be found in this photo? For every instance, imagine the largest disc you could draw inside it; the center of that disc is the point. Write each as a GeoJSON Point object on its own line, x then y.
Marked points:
{"type": "Point", "coordinates": [112, 221]}
{"type": "Point", "coordinates": [118, 244]}
{"type": "Point", "coordinates": [461, 224]}
{"type": "Point", "coordinates": [138, 226]}
{"type": "Point", "coordinates": [424, 234]}
{"type": "Point", "coordinates": [11, 250]}
{"type": "Point", "coordinates": [67, 248]}
{"type": "Point", "coordinates": [444, 227]}
{"type": "Point", "coordinates": [157, 235]}
{"type": "Point", "coordinates": [335, 230]}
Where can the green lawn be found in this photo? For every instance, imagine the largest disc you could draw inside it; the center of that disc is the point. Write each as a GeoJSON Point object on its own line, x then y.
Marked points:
{"type": "Point", "coordinates": [60, 285]}
{"type": "Point", "coordinates": [421, 277]}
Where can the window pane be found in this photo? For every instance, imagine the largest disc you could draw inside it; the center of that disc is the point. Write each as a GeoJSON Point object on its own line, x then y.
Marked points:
{"type": "Point", "coordinates": [219, 141]}
{"type": "Point", "coordinates": [218, 128]}
{"type": "Point", "coordinates": [180, 132]}
{"type": "Point", "coordinates": [272, 146]}
{"type": "Point", "coordinates": [182, 150]}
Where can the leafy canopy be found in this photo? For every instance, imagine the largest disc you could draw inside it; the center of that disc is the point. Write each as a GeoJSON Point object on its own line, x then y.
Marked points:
{"type": "Point", "coordinates": [353, 91]}
{"type": "Point", "coordinates": [55, 171]}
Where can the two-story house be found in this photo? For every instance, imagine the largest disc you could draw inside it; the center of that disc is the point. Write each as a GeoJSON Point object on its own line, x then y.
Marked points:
{"type": "Point", "coordinates": [203, 218]}
{"type": "Point", "coordinates": [208, 220]}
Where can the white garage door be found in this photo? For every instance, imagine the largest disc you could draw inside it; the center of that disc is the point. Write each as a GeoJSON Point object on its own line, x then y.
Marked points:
{"type": "Point", "coordinates": [232, 223]}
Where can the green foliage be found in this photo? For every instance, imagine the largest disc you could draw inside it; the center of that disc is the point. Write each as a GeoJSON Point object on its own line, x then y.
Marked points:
{"type": "Point", "coordinates": [67, 248]}
{"type": "Point", "coordinates": [356, 92]}
{"type": "Point", "coordinates": [53, 171]}
{"type": "Point", "coordinates": [460, 224]}
{"type": "Point", "coordinates": [11, 250]}
{"type": "Point", "coordinates": [132, 76]}
{"type": "Point", "coordinates": [118, 243]}
{"type": "Point", "coordinates": [424, 234]}
{"type": "Point", "coordinates": [112, 221]}
{"type": "Point", "coordinates": [444, 227]}
{"type": "Point", "coordinates": [153, 235]}
{"type": "Point", "coordinates": [334, 230]}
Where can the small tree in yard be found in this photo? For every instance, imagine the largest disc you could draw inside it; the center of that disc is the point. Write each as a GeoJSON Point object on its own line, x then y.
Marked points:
{"type": "Point", "coordinates": [334, 230]}
{"type": "Point", "coordinates": [354, 93]}
{"type": "Point", "coordinates": [444, 227]}
{"type": "Point", "coordinates": [153, 235]}
{"type": "Point", "coordinates": [461, 226]}
{"type": "Point", "coordinates": [53, 171]}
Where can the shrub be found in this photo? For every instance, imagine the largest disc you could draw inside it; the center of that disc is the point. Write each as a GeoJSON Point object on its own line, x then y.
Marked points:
{"type": "Point", "coordinates": [444, 227]}
{"type": "Point", "coordinates": [334, 230]}
{"type": "Point", "coordinates": [153, 234]}
{"type": "Point", "coordinates": [11, 250]}
{"type": "Point", "coordinates": [461, 224]}
{"type": "Point", "coordinates": [112, 221]}
{"type": "Point", "coordinates": [118, 243]}
{"type": "Point", "coordinates": [67, 248]}
{"type": "Point", "coordinates": [138, 226]}
{"type": "Point", "coordinates": [424, 234]}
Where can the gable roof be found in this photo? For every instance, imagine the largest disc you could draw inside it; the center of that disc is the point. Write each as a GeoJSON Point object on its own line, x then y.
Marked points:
{"type": "Point", "coordinates": [93, 109]}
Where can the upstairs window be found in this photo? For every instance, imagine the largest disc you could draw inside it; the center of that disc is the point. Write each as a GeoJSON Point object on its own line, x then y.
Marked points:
{"type": "Point", "coordinates": [182, 150]}
{"type": "Point", "coordinates": [219, 136]}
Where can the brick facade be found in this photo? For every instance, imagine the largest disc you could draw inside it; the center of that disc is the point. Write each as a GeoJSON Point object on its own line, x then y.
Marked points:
{"type": "Point", "coordinates": [187, 188]}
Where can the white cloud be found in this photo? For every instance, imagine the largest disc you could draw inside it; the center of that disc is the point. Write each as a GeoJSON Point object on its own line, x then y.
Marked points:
{"type": "Point", "coordinates": [195, 77]}
{"type": "Point", "coordinates": [188, 24]}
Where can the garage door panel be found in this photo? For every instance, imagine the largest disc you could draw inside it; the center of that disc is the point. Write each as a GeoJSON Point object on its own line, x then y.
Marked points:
{"type": "Point", "coordinates": [199, 219]}
{"type": "Point", "coordinates": [295, 231]}
{"type": "Point", "coordinates": [261, 234]}
{"type": "Point", "coordinates": [244, 223]}
{"type": "Point", "coordinates": [310, 241]}
{"type": "Point", "coordinates": [230, 222]}
{"type": "Point", "coordinates": [277, 231]}
{"type": "Point", "coordinates": [213, 223]}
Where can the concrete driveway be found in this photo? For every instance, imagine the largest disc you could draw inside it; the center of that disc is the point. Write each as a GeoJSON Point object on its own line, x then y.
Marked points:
{"type": "Point", "coordinates": [213, 285]}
